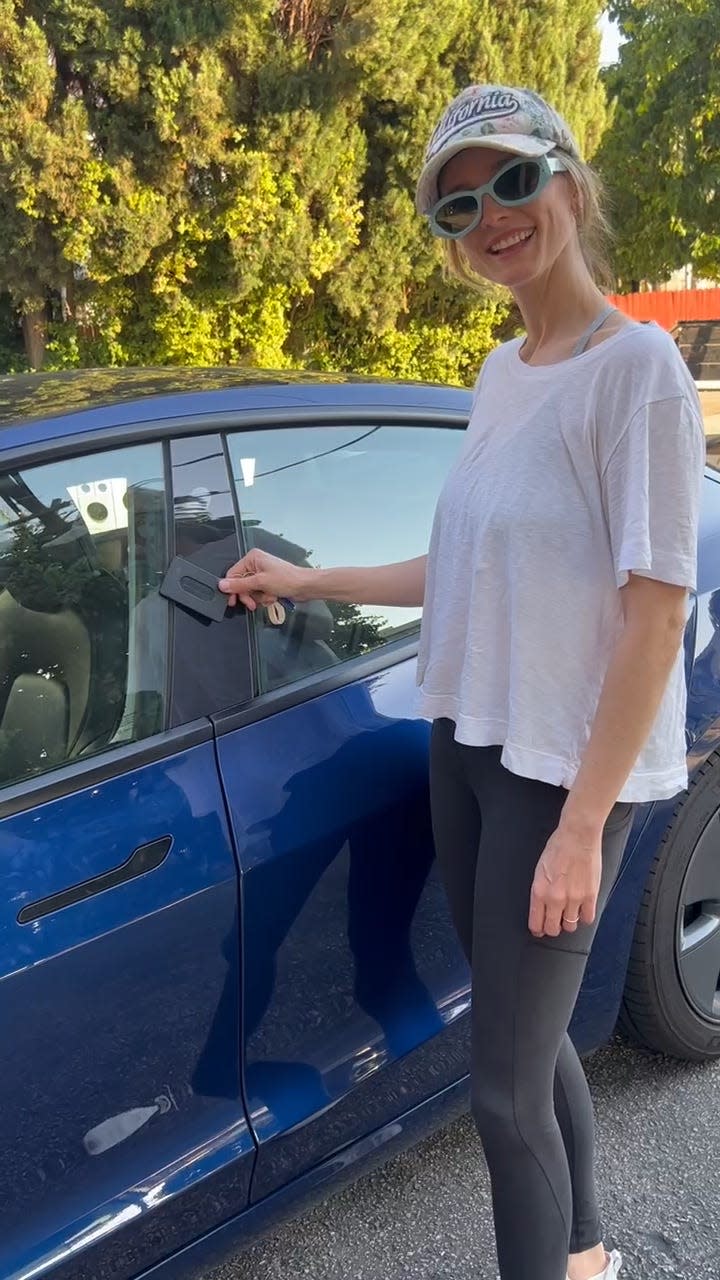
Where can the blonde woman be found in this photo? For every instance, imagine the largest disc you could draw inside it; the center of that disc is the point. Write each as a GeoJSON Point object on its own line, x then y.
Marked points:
{"type": "Point", "coordinates": [555, 593]}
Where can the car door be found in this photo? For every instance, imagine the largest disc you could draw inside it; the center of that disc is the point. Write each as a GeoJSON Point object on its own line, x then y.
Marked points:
{"type": "Point", "coordinates": [122, 1127]}
{"type": "Point", "coordinates": [355, 990]}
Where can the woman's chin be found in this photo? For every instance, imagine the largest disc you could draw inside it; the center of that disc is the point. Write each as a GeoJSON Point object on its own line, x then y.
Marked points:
{"type": "Point", "coordinates": [509, 275]}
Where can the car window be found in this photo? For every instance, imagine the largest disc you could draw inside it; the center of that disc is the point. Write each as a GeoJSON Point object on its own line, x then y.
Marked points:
{"type": "Point", "coordinates": [83, 633]}
{"type": "Point", "coordinates": [328, 495]}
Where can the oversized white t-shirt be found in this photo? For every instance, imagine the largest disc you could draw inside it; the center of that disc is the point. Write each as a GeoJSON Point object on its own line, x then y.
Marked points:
{"type": "Point", "coordinates": [571, 476]}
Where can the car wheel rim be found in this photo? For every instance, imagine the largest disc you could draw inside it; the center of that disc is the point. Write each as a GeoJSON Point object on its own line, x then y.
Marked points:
{"type": "Point", "coordinates": [698, 933]}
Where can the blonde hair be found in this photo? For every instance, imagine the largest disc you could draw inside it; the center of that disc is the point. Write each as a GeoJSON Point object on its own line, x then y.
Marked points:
{"type": "Point", "coordinates": [594, 231]}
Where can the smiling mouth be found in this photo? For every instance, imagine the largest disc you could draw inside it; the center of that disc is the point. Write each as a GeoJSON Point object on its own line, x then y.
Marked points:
{"type": "Point", "coordinates": [510, 243]}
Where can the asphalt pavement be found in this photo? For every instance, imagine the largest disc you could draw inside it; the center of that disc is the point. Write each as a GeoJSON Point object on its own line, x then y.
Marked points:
{"type": "Point", "coordinates": [426, 1214]}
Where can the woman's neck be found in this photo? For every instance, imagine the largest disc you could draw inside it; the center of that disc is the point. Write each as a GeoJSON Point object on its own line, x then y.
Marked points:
{"type": "Point", "coordinates": [557, 307]}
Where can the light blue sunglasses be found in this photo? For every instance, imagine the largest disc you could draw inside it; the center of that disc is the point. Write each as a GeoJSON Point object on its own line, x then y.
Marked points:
{"type": "Point", "coordinates": [517, 183]}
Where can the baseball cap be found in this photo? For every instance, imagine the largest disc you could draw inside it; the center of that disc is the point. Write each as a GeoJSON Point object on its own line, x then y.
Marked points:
{"type": "Point", "coordinates": [494, 116]}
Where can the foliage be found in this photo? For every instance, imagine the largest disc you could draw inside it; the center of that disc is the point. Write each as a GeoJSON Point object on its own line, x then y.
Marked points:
{"type": "Point", "coordinates": [40, 580]}
{"type": "Point", "coordinates": [233, 181]}
{"type": "Point", "coordinates": [661, 158]}
{"type": "Point", "coordinates": [353, 632]}
{"type": "Point", "coordinates": [12, 356]}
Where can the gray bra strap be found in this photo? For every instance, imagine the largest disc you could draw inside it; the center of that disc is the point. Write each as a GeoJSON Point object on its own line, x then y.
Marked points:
{"type": "Point", "coordinates": [582, 341]}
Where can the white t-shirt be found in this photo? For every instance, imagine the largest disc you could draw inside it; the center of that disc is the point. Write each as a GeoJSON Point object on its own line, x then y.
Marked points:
{"type": "Point", "coordinates": [571, 475]}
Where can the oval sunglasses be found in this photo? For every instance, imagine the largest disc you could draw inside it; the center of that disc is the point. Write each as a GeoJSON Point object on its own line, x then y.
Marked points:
{"type": "Point", "coordinates": [517, 183]}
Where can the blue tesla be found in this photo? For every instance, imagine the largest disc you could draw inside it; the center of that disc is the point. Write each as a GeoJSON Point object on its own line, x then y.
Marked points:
{"type": "Point", "coordinates": [228, 974]}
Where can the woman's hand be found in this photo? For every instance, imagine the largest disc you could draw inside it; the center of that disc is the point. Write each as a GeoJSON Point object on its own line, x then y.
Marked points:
{"type": "Point", "coordinates": [567, 882]}
{"type": "Point", "coordinates": [260, 579]}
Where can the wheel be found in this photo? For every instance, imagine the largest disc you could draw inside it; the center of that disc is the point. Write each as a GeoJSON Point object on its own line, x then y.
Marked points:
{"type": "Point", "coordinates": [672, 993]}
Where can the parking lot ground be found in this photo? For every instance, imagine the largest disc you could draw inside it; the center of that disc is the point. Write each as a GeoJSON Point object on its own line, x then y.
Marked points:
{"type": "Point", "coordinates": [426, 1214]}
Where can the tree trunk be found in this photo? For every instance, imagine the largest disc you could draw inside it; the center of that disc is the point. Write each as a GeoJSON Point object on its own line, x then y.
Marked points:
{"type": "Point", "coordinates": [34, 327]}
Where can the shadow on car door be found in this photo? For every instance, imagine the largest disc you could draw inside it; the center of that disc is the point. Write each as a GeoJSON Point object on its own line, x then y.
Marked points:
{"type": "Point", "coordinates": [355, 993]}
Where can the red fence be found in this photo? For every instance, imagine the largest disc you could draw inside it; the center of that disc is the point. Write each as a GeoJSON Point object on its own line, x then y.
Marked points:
{"type": "Point", "coordinates": [670, 307]}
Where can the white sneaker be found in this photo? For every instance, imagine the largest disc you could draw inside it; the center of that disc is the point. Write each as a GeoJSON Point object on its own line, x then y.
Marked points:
{"type": "Point", "coordinates": [612, 1269]}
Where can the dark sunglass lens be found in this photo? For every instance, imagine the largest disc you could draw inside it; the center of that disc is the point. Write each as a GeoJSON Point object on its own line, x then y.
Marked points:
{"type": "Point", "coordinates": [456, 214]}
{"type": "Point", "coordinates": [519, 181]}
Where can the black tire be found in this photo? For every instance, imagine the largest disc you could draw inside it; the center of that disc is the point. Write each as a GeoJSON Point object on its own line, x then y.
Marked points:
{"type": "Point", "coordinates": [664, 1008]}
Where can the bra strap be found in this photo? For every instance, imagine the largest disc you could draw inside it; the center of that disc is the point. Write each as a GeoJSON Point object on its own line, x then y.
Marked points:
{"type": "Point", "coordinates": [583, 340]}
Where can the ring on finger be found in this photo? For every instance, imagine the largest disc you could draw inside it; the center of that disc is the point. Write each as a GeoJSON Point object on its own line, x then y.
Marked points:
{"type": "Point", "coordinates": [571, 919]}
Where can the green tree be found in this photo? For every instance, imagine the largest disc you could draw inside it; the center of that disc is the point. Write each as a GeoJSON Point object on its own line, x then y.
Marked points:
{"type": "Point", "coordinates": [353, 631]}
{"type": "Point", "coordinates": [233, 181]}
{"type": "Point", "coordinates": [46, 175]}
{"type": "Point", "coordinates": [661, 158]}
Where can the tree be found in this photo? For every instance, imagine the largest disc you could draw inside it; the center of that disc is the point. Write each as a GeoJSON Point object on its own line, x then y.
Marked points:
{"type": "Point", "coordinates": [353, 631]}
{"type": "Point", "coordinates": [46, 175]}
{"type": "Point", "coordinates": [233, 181]}
{"type": "Point", "coordinates": [661, 158]}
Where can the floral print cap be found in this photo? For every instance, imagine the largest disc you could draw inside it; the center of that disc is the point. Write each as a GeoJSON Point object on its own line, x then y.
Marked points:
{"type": "Point", "coordinates": [497, 117]}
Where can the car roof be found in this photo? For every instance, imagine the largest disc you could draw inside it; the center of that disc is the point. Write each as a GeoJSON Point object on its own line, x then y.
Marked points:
{"type": "Point", "coordinates": [28, 396]}
{"type": "Point", "coordinates": [35, 397]}
{"type": "Point", "coordinates": [55, 405]}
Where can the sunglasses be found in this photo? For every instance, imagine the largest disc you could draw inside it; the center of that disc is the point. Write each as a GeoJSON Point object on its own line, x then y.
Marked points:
{"type": "Point", "coordinates": [517, 183]}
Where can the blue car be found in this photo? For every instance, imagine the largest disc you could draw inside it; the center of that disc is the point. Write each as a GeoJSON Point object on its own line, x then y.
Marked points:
{"type": "Point", "coordinates": [229, 978]}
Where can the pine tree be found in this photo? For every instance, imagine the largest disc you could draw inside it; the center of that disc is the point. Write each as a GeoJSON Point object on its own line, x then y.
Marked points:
{"type": "Point", "coordinates": [233, 181]}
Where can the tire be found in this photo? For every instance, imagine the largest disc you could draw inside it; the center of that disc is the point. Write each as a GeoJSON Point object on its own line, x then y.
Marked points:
{"type": "Point", "coordinates": [668, 1004]}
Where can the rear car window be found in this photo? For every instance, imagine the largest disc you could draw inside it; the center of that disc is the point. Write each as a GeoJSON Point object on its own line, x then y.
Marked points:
{"type": "Point", "coordinates": [83, 630]}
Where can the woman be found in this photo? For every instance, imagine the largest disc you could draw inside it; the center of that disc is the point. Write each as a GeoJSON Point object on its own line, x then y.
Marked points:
{"type": "Point", "coordinates": [555, 596]}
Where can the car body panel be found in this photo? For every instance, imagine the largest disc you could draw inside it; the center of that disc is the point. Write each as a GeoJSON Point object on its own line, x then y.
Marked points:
{"type": "Point", "coordinates": [354, 979]}
{"type": "Point", "coordinates": [121, 1070]}
{"type": "Point", "coordinates": [302, 1193]}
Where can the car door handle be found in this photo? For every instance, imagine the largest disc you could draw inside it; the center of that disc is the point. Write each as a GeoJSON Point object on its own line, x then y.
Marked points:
{"type": "Point", "coordinates": [145, 858]}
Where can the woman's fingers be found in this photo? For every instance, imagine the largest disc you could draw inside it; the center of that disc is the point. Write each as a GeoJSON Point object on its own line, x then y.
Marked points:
{"type": "Point", "coordinates": [536, 919]}
{"type": "Point", "coordinates": [260, 578]}
{"type": "Point", "coordinates": [553, 917]}
{"type": "Point", "coordinates": [249, 588]}
{"type": "Point", "coordinates": [239, 582]}
{"type": "Point", "coordinates": [587, 910]}
{"type": "Point", "coordinates": [546, 903]}
{"type": "Point", "coordinates": [553, 911]}
{"type": "Point", "coordinates": [571, 916]}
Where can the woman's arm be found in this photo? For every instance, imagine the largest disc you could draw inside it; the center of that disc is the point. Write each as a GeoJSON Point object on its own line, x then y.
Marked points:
{"type": "Point", "coordinates": [391, 584]}
{"type": "Point", "coordinates": [260, 578]}
{"type": "Point", "coordinates": [568, 876]}
{"type": "Point", "coordinates": [654, 623]}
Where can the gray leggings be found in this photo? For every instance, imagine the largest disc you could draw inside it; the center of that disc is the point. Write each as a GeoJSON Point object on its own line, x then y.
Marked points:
{"type": "Point", "coordinates": [530, 1099]}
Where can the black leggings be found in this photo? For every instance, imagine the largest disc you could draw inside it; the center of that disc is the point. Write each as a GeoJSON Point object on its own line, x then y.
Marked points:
{"type": "Point", "coordinates": [530, 1099]}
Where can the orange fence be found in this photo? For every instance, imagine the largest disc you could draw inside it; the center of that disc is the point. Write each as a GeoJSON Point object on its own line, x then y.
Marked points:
{"type": "Point", "coordinates": [668, 308]}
